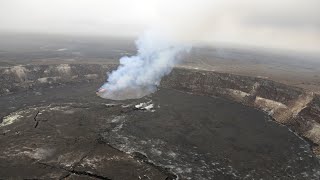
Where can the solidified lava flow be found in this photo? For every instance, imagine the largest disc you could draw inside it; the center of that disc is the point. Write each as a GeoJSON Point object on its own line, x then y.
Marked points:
{"type": "Point", "coordinates": [199, 125]}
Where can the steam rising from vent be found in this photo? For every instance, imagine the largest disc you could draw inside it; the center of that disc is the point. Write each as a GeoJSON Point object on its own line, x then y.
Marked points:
{"type": "Point", "coordinates": [171, 30]}
{"type": "Point", "coordinates": [140, 75]}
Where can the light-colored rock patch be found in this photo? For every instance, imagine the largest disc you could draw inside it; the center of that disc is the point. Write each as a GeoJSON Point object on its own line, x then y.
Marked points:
{"type": "Point", "coordinates": [237, 94]}
{"type": "Point", "coordinates": [301, 103]}
{"type": "Point", "coordinates": [314, 133]}
{"type": "Point", "coordinates": [268, 105]}
{"type": "Point", "coordinates": [10, 119]}
{"type": "Point", "coordinates": [39, 153]}
{"type": "Point", "coordinates": [20, 72]}
{"type": "Point", "coordinates": [49, 79]}
{"type": "Point", "coordinates": [64, 69]}
{"type": "Point", "coordinates": [91, 76]}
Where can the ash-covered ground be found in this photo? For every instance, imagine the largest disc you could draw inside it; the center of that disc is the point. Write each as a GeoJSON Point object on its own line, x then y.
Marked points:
{"type": "Point", "coordinates": [53, 126]}
{"type": "Point", "coordinates": [68, 132]}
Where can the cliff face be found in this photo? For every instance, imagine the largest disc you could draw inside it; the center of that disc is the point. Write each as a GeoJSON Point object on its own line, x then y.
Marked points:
{"type": "Point", "coordinates": [294, 107]}
{"type": "Point", "coordinates": [20, 78]}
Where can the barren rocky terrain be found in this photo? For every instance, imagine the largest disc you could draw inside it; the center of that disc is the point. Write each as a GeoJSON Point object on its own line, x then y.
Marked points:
{"type": "Point", "coordinates": [52, 119]}
{"type": "Point", "coordinates": [222, 113]}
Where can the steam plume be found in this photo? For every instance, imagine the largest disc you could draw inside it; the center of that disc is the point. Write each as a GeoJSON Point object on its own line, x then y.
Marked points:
{"type": "Point", "coordinates": [140, 75]}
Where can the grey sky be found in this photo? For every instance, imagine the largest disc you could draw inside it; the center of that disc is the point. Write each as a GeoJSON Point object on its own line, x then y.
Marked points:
{"type": "Point", "coordinates": [286, 24]}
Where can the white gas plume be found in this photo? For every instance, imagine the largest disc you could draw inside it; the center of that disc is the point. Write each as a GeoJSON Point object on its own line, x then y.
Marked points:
{"type": "Point", "coordinates": [140, 75]}
{"type": "Point", "coordinates": [170, 34]}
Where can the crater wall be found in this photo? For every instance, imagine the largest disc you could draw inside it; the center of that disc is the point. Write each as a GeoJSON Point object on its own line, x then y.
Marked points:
{"type": "Point", "coordinates": [294, 107]}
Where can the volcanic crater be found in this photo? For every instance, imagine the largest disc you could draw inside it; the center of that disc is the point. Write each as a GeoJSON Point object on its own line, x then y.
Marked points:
{"type": "Point", "coordinates": [198, 125]}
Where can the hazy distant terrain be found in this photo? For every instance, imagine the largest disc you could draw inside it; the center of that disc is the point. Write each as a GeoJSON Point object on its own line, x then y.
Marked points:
{"type": "Point", "coordinates": [287, 67]}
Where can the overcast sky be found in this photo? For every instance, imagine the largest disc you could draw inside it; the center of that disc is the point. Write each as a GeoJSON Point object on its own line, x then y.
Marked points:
{"type": "Point", "coordinates": [285, 24]}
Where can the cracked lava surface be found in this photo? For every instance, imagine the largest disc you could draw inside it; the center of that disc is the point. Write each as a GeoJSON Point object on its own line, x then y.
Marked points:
{"type": "Point", "coordinates": [68, 133]}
